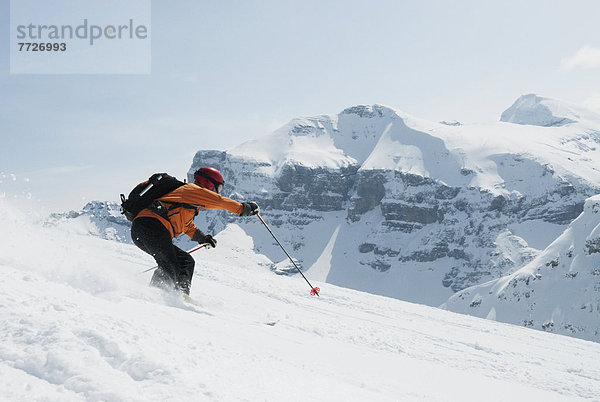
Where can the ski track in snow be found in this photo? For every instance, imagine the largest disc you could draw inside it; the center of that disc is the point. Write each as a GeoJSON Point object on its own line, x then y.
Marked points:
{"type": "Point", "coordinates": [79, 323]}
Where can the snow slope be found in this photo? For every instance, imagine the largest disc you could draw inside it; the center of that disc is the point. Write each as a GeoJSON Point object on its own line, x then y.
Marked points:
{"type": "Point", "coordinates": [79, 323]}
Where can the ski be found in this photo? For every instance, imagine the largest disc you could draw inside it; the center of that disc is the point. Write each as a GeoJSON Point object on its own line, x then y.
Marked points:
{"type": "Point", "coordinates": [187, 299]}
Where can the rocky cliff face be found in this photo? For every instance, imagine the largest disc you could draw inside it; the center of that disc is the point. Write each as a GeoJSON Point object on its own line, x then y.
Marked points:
{"type": "Point", "coordinates": [559, 291]}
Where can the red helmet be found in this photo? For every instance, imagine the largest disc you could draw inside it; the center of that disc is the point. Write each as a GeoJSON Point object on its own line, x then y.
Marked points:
{"type": "Point", "coordinates": [209, 178]}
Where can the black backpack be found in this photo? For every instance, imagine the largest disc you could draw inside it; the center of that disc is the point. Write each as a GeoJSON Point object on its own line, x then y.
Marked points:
{"type": "Point", "coordinates": [144, 194]}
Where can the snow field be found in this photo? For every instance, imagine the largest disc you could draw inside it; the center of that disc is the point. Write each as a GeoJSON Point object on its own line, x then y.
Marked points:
{"type": "Point", "coordinates": [79, 323]}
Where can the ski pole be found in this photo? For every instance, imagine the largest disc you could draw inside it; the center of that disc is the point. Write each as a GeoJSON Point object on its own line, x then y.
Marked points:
{"type": "Point", "coordinates": [189, 252]}
{"type": "Point", "coordinates": [313, 290]}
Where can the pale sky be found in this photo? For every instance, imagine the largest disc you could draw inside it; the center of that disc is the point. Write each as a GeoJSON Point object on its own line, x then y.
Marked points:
{"type": "Point", "coordinates": [227, 71]}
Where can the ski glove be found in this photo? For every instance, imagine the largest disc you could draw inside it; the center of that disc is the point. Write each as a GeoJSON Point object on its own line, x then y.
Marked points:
{"type": "Point", "coordinates": [201, 238]}
{"type": "Point", "coordinates": [250, 208]}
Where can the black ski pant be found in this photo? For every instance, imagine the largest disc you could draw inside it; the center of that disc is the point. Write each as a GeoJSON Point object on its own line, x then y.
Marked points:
{"type": "Point", "coordinates": [174, 264]}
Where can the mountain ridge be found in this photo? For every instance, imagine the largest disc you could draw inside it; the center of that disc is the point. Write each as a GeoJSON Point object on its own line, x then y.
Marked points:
{"type": "Point", "coordinates": [435, 198]}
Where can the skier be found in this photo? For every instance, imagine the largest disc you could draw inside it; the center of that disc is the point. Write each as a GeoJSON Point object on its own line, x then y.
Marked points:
{"type": "Point", "coordinates": [154, 233]}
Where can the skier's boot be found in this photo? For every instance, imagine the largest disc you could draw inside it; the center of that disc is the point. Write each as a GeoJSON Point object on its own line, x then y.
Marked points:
{"type": "Point", "coordinates": [184, 286]}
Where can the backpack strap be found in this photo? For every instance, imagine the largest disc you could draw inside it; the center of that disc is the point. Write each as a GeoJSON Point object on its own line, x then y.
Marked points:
{"type": "Point", "coordinates": [162, 210]}
{"type": "Point", "coordinates": [174, 205]}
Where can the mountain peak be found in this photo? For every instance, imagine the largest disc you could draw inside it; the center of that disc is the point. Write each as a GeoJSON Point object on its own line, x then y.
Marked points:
{"type": "Point", "coordinates": [370, 111]}
{"type": "Point", "coordinates": [331, 141]}
{"type": "Point", "coordinates": [532, 109]}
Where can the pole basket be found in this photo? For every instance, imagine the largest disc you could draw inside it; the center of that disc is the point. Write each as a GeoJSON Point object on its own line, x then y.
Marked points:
{"type": "Point", "coordinates": [315, 291]}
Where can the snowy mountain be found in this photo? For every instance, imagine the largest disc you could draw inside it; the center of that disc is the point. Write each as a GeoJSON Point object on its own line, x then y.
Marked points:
{"type": "Point", "coordinates": [102, 219]}
{"type": "Point", "coordinates": [559, 291]}
{"type": "Point", "coordinates": [376, 200]}
{"type": "Point", "coordinates": [79, 323]}
{"type": "Point", "coordinates": [539, 111]}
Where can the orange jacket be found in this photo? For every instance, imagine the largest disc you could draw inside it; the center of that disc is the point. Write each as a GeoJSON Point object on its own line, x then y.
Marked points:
{"type": "Point", "coordinates": [181, 219]}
